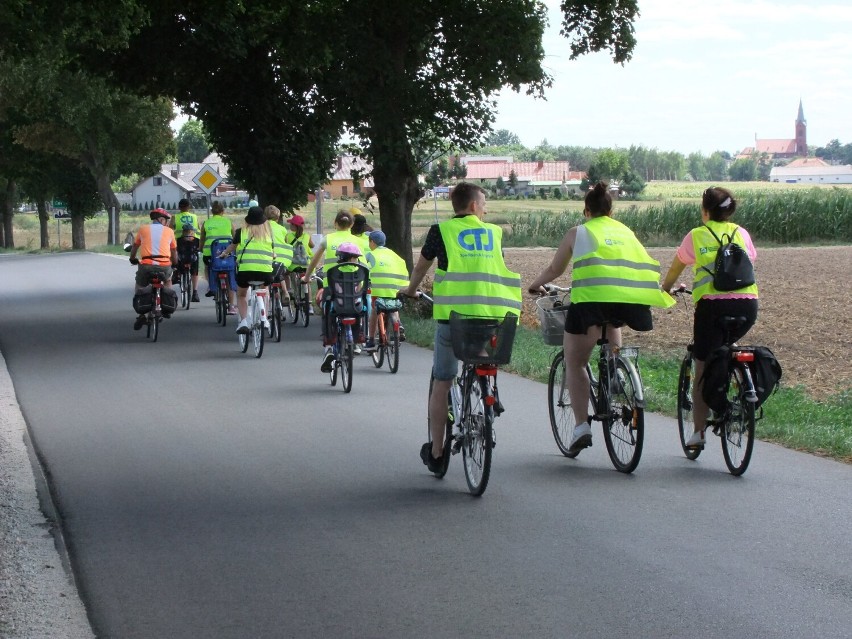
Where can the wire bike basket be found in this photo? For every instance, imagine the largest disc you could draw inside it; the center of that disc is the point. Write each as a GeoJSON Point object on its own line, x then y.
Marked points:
{"type": "Point", "coordinates": [483, 340]}
{"type": "Point", "coordinates": [552, 311]}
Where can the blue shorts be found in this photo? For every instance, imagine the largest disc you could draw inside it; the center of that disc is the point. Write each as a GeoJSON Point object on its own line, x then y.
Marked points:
{"type": "Point", "coordinates": [445, 366]}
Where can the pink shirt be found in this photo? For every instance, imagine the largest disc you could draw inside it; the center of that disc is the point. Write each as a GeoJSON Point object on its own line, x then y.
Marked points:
{"type": "Point", "coordinates": [686, 254]}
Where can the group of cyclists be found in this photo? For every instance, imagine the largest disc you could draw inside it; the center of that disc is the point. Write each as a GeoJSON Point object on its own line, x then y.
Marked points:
{"type": "Point", "coordinates": [614, 281]}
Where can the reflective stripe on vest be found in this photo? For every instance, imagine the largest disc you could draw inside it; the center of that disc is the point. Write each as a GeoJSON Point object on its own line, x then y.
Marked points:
{"type": "Point", "coordinates": [388, 272]}
{"type": "Point", "coordinates": [705, 247]}
{"type": "Point", "coordinates": [476, 281]}
{"type": "Point", "coordinates": [216, 228]}
{"type": "Point", "coordinates": [332, 241]}
{"type": "Point", "coordinates": [619, 269]}
{"type": "Point", "coordinates": [254, 254]}
{"type": "Point", "coordinates": [283, 251]}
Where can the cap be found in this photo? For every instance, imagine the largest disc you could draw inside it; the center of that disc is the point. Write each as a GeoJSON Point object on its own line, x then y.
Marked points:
{"type": "Point", "coordinates": [378, 237]}
{"type": "Point", "coordinates": [297, 220]}
{"type": "Point", "coordinates": [188, 227]}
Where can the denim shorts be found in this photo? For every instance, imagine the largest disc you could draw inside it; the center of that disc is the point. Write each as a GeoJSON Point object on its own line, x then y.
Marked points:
{"type": "Point", "coordinates": [445, 366]}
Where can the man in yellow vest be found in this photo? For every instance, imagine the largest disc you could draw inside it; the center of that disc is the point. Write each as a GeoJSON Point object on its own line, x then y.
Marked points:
{"type": "Point", "coordinates": [388, 273]}
{"type": "Point", "coordinates": [471, 278]}
{"type": "Point", "coordinates": [615, 282]}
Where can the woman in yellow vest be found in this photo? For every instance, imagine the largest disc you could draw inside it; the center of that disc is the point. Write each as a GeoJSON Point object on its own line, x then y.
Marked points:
{"type": "Point", "coordinates": [218, 227]}
{"type": "Point", "coordinates": [699, 250]}
{"type": "Point", "coordinates": [471, 278]}
{"type": "Point", "coordinates": [614, 281]}
{"type": "Point", "coordinates": [327, 249]}
{"type": "Point", "coordinates": [253, 246]}
{"type": "Point", "coordinates": [283, 250]}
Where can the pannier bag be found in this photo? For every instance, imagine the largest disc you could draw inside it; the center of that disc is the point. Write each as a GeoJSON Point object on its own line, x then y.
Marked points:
{"type": "Point", "coordinates": [143, 301]}
{"type": "Point", "coordinates": [168, 300]}
{"type": "Point", "coordinates": [733, 269]}
{"type": "Point", "coordinates": [765, 373]}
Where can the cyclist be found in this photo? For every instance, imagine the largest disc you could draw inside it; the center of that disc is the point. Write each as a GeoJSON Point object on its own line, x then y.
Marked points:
{"type": "Point", "coordinates": [187, 248]}
{"type": "Point", "coordinates": [614, 281]}
{"type": "Point", "coordinates": [388, 273]}
{"type": "Point", "coordinates": [360, 231]}
{"type": "Point", "coordinates": [327, 249]}
{"type": "Point", "coordinates": [699, 250]}
{"type": "Point", "coordinates": [471, 278]}
{"type": "Point", "coordinates": [349, 259]}
{"type": "Point", "coordinates": [182, 217]}
{"type": "Point", "coordinates": [283, 250]}
{"type": "Point", "coordinates": [253, 246]}
{"type": "Point", "coordinates": [217, 227]}
{"type": "Point", "coordinates": [296, 235]}
{"type": "Point", "coordinates": [155, 244]}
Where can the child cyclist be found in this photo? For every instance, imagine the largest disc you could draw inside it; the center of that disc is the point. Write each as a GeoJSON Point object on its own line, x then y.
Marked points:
{"type": "Point", "coordinates": [388, 274]}
{"type": "Point", "coordinates": [188, 247]}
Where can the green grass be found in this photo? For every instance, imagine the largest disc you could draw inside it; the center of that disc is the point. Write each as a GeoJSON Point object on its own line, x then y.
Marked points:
{"type": "Point", "coordinates": [791, 417]}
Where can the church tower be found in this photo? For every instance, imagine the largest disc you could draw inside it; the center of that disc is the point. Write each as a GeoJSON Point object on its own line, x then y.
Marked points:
{"type": "Point", "coordinates": [801, 133]}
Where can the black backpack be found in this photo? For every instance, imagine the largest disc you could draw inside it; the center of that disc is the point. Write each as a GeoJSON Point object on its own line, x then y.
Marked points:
{"type": "Point", "coordinates": [733, 269]}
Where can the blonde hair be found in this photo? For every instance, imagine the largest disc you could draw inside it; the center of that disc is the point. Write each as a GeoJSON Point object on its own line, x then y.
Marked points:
{"type": "Point", "coordinates": [272, 212]}
{"type": "Point", "coordinates": [258, 231]}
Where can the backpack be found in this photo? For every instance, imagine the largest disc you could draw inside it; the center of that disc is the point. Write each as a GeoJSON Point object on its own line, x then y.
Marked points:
{"type": "Point", "coordinates": [765, 373]}
{"type": "Point", "coordinates": [300, 256]}
{"type": "Point", "coordinates": [733, 269]}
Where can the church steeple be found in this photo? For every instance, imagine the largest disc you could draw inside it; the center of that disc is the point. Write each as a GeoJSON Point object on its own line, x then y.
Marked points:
{"type": "Point", "coordinates": [801, 132]}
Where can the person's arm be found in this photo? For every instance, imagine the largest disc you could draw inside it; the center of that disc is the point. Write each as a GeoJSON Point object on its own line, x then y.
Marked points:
{"type": "Point", "coordinates": [559, 263]}
{"type": "Point", "coordinates": [417, 275]}
{"type": "Point", "coordinates": [174, 256]}
{"type": "Point", "coordinates": [672, 276]}
{"type": "Point", "coordinates": [203, 235]}
{"type": "Point", "coordinates": [314, 261]}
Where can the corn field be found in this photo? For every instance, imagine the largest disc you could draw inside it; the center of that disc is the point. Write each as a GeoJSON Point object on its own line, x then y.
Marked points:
{"type": "Point", "coordinates": [816, 215]}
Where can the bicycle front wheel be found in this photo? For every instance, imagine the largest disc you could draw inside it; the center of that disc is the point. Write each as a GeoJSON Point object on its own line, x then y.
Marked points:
{"type": "Point", "coordinates": [477, 433]}
{"type": "Point", "coordinates": [562, 421]}
{"type": "Point", "coordinates": [624, 421]}
{"type": "Point", "coordinates": [685, 419]}
{"type": "Point", "coordinates": [738, 432]}
{"type": "Point", "coordinates": [393, 350]}
{"type": "Point", "coordinates": [306, 310]}
{"type": "Point", "coordinates": [258, 331]}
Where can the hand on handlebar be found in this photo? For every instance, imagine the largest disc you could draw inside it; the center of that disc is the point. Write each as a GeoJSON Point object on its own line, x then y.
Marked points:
{"type": "Point", "coordinates": [134, 261]}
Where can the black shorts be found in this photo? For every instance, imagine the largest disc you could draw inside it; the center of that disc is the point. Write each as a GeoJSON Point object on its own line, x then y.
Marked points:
{"type": "Point", "coordinates": [244, 277]}
{"type": "Point", "coordinates": [708, 335]}
{"type": "Point", "coordinates": [585, 314]}
{"type": "Point", "coordinates": [193, 268]}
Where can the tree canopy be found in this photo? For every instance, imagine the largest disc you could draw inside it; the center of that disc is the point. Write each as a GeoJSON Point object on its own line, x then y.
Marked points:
{"type": "Point", "coordinates": [192, 144]}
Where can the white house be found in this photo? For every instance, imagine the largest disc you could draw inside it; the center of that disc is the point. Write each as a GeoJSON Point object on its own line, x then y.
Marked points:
{"type": "Point", "coordinates": [174, 182]}
{"type": "Point", "coordinates": [838, 174]}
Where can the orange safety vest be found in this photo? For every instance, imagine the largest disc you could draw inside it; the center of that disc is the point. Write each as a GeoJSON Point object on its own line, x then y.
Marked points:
{"type": "Point", "coordinates": [156, 243]}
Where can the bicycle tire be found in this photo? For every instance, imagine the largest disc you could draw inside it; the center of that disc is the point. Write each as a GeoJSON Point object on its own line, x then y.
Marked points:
{"type": "Point", "coordinates": [477, 434]}
{"type": "Point", "coordinates": [289, 310]}
{"type": "Point", "coordinates": [624, 421]}
{"type": "Point", "coordinates": [378, 355]}
{"type": "Point", "coordinates": [220, 311]}
{"type": "Point", "coordinates": [393, 350]}
{"type": "Point", "coordinates": [448, 432]}
{"type": "Point", "coordinates": [223, 302]}
{"type": "Point", "coordinates": [258, 330]}
{"type": "Point", "coordinates": [346, 367]}
{"type": "Point", "coordinates": [185, 289]}
{"type": "Point", "coordinates": [562, 420]}
{"type": "Point", "coordinates": [148, 326]}
{"type": "Point", "coordinates": [738, 431]}
{"type": "Point", "coordinates": [277, 319]}
{"type": "Point", "coordinates": [685, 419]}
{"type": "Point", "coordinates": [270, 315]}
{"type": "Point", "coordinates": [155, 329]}
{"type": "Point", "coordinates": [306, 310]}
{"type": "Point", "coordinates": [332, 374]}
{"type": "Point", "coordinates": [296, 304]}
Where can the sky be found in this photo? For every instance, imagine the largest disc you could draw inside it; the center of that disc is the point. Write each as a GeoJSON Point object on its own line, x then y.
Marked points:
{"type": "Point", "coordinates": [706, 75]}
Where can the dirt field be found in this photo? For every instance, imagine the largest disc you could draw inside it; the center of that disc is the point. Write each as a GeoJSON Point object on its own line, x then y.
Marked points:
{"type": "Point", "coordinates": [805, 295]}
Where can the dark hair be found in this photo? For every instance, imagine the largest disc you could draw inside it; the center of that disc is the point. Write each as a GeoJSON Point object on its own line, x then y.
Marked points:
{"type": "Point", "coordinates": [719, 203]}
{"type": "Point", "coordinates": [344, 219]}
{"type": "Point", "coordinates": [183, 204]}
{"type": "Point", "coordinates": [598, 200]}
{"type": "Point", "coordinates": [463, 194]}
{"type": "Point", "coordinates": [359, 225]}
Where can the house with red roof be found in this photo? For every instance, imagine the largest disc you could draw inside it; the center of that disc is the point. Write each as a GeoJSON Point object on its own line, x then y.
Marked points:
{"type": "Point", "coordinates": [531, 176]}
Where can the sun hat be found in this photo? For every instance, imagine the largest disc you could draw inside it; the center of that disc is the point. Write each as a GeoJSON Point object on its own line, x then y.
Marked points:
{"type": "Point", "coordinates": [348, 248]}
{"type": "Point", "coordinates": [378, 237]}
{"type": "Point", "coordinates": [297, 220]}
{"type": "Point", "coordinates": [255, 216]}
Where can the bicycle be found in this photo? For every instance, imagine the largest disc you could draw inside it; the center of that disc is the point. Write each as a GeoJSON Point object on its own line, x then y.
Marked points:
{"type": "Point", "coordinates": [150, 304]}
{"type": "Point", "coordinates": [223, 268]}
{"type": "Point", "coordinates": [736, 423]}
{"type": "Point", "coordinates": [387, 332]}
{"type": "Point", "coordinates": [348, 297]}
{"type": "Point", "coordinates": [473, 402]}
{"type": "Point", "coordinates": [616, 395]}
{"type": "Point", "coordinates": [257, 320]}
{"type": "Point", "coordinates": [299, 301]}
{"type": "Point", "coordinates": [277, 309]}
{"type": "Point", "coordinates": [184, 281]}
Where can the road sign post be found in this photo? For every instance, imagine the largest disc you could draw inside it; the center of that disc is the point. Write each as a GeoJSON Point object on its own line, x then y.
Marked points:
{"type": "Point", "coordinates": [207, 179]}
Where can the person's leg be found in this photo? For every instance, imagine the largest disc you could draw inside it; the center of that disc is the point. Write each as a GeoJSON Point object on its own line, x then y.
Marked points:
{"type": "Point", "coordinates": [700, 410]}
{"type": "Point", "coordinates": [242, 301]}
{"type": "Point", "coordinates": [374, 323]}
{"type": "Point", "coordinates": [578, 349]}
{"type": "Point", "coordinates": [444, 369]}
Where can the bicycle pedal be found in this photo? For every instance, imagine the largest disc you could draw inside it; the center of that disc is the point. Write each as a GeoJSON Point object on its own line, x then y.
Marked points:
{"type": "Point", "coordinates": [456, 446]}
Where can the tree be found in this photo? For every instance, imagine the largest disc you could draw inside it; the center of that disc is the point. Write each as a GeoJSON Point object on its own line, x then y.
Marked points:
{"type": "Point", "coordinates": [192, 144]}
{"type": "Point", "coordinates": [632, 184]}
{"type": "Point", "coordinates": [513, 180]}
{"type": "Point", "coordinates": [500, 185]}
{"type": "Point", "coordinates": [502, 137]}
{"type": "Point", "coordinates": [609, 165]}
{"type": "Point", "coordinates": [743, 170]}
{"type": "Point", "coordinates": [717, 167]}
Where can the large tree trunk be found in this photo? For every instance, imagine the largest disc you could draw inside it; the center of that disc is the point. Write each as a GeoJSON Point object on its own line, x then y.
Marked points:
{"type": "Point", "coordinates": [110, 202]}
{"type": "Point", "coordinates": [78, 232]}
{"type": "Point", "coordinates": [43, 222]}
{"type": "Point", "coordinates": [9, 199]}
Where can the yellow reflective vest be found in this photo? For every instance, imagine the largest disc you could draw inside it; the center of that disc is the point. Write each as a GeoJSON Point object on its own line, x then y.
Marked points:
{"type": "Point", "coordinates": [705, 246]}
{"type": "Point", "coordinates": [476, 281]}
{"type": "Point", "coordinates": [283, 250]}
{"type": "Point", "coordinates": [254, 254]}
{"type": "Point", "coordinates": [388, 272]}
{"type": "Point", "coordinates": [619, 269]}
{"type": "Point", "coordinates": [217, 227]}
{"type": "Point", "coordinates": [184, 217]}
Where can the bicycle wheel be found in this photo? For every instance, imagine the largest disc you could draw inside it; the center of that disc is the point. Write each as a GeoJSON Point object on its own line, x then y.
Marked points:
{"type": "Point", "coordinates": [624, 421]}
{"type": "Point", "coordinates": [738, 431]}
{"type": "Point", "coordinates": [223, 303]}
{"type": "Point", "coordinates": [306, 309]}
{"type": "Point", "coordinates": [258, 330]}
{"type": "Point", "coordinates": [448, 433]}
{"type": "Point", "coordinates": [155, 328]}
{"type": "Point", "coordinates": [378, 355]}
{"type": "Point", "coordinates": [476, 433]}
{"type": "Point", "coordinates": [220, 309]}
{"type": "Point", "coordinates": [148, 325]}
{"type": "Point", "coordinates": [274, 315]}
{"type": "Point", "coordinates": [289, 309]}
{"type": "Point", "coordinates": [185, 289]}
{"type": "Point", "coordinates": [393, 350]}
{"type": "Point", "coordinates": [346, 367]}
{"type": "Point", "coordinates": [685, 420]}
{"type": "Point", "coordinates": [562, 420]}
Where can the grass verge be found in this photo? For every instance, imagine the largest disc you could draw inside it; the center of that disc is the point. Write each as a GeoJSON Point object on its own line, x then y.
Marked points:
{"type": "Point", "coordinates": [791, 418]}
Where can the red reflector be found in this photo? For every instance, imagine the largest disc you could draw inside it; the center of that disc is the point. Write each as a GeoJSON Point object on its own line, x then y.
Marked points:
{"type": "Point", "coordinates": [493, 341]}
{"type": "Point", "coordinates": [744, 356]}
{"type": "Point", "coordinates": [348, 321]}
{"type": "Point", "coordinates": [223, 276]}
{"type": "Point", "coordinates": [490, 400]}
{"type": "Point", "coordinates": [490, 371]}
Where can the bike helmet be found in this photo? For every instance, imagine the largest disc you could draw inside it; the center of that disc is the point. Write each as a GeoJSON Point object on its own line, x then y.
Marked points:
{"type": "Point", "coordinates": [158, 213]}
{"type": "Point", "coordinates": [348, 249]}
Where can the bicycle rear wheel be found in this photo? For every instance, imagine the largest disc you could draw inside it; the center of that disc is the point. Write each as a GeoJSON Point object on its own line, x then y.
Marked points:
{"type": "Point", "coordinates": [477, 433]}
{"type": "Point", "coordinates": [378, 355]}
{"type": "Point", "coordinates": [346, 366]}
{"type": "Point", "coordinates": [448, 432]}
{"type": "Point", "coordinates": [155, 328]}
{"type": "Point", "coordinates": [738, 431]}
{"type": "Point", "coordinates": [393, 349]}
{"type": "Point", "coordinates": [258, 330]}
{"type": "Point", "coordinates": [624, 421]}
{"type": "Point", "coordinates": [220, 309]}
{"type": "Point", "coordinates": [685, 419]}
{"type": "Point", "coordinates": [306, 309]}
{"type": "Point", "coordinates": [185, 289]}
{"type": "Point", "coordinates": [222, 304]}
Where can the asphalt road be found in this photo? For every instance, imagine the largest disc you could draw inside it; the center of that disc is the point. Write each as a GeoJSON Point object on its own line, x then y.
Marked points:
{"type": "Point", "coordinates": [205, 493]}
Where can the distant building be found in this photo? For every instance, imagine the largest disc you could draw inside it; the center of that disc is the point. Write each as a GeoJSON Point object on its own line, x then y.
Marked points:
{"type": "Point", "coordinates": [342, 183]}
{"type": "Point", "coordinates": [814, 172]}
{"type": "Point", "coordinates": [174, 182]}
{"type": "Point", "coordinates": [531, 176]}
{"type": "Point", "coordinates": [778, 149]}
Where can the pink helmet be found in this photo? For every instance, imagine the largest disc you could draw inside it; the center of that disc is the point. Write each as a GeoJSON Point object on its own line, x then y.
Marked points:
{"type": "Point", "coordinates": [348, 248]}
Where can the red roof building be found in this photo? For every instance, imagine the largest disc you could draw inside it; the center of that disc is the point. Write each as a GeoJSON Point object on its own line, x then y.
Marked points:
{"type": "Point", "coordinates": [782, 148]}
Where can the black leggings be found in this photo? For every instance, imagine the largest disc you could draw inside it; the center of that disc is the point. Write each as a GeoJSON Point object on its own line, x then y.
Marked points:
{"type": "Point", "coordinates": [708, 335]}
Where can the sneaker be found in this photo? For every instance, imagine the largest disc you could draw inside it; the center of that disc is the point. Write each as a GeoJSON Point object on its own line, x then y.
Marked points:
{"type": "Point", "coordinates": [209, 294]}
{"type": "Point", "coordinates": [195, 297]}
{"type": "Point", "coordinates": [434, 465]}
{"type": "Point", "coordinates": [401, 333]}
{"type": "Point", "coordinates": [232, 310]}
{"type": "Point", "coordinates": [696, 441]}
{"type": "Point", "coordinates": [582, 438]}
{"type": "Point", "coordinates": [370, 346]}
{"type": "Point", "coordinates": [310, 310]}
{"type": "Point", "coordinates": [243, 327]}
{"type": "Point", "coordinates": [327, 361]}
{"type": "Point", "coordinates": [141, 320]}
{"type": "Point", "coordinates": [357, 349]}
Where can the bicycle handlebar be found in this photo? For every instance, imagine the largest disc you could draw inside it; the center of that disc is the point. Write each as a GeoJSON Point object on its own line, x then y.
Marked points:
{"type": "Point", "coordinates": [680, 290]}
{"type": "Point", "coordinates": [419, 296]}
